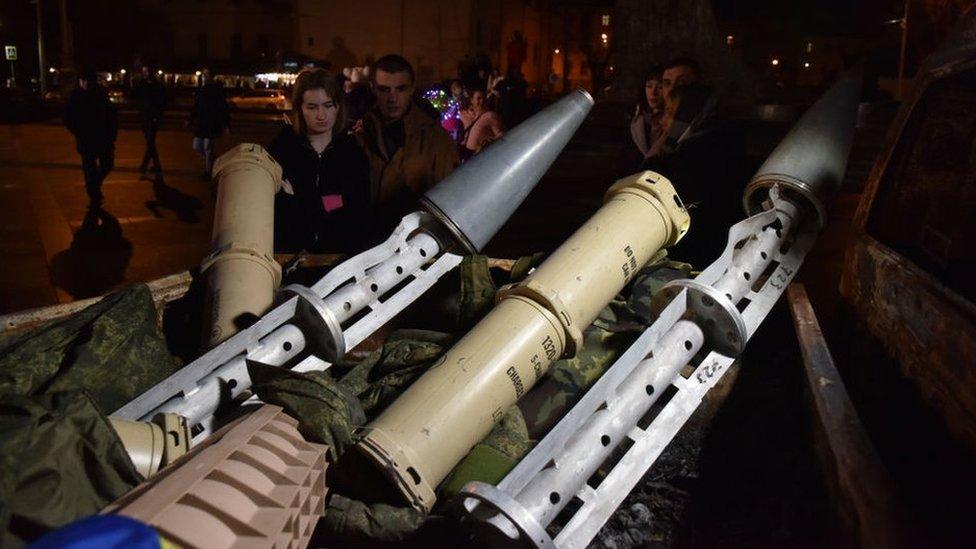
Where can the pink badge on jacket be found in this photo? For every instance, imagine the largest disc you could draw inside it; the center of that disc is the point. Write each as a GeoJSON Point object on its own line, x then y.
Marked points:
{"type": "Point", "coordinates": [331, 202]}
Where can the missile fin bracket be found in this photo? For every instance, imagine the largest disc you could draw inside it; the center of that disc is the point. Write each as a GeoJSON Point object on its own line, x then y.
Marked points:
{"type": "Point", "coordinates": [679, 300]}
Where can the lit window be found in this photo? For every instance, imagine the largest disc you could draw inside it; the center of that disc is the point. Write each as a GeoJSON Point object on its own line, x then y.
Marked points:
{"type": "Point", "coordinates": [729, 40]}
{"type": "Point", "coordinates": [605, 20]}
{"type": "Point", "coordinates": [775, 62]}
{"type": "Point", "coordinates": [809, 47]}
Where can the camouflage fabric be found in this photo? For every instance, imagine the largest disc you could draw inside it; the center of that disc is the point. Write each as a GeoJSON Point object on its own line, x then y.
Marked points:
{"type": "Point", "coordinates": [492, 458]}
{"type": "Point", "coordinates": [59, 457]}
{"type": "Point", "coordinates": [89, 350]}
{"type": "Point", "coordinates": [384, 374]}
{"type": "Point", "coordinates": [328, 413]}
{"type": "Point", "coordinates": [60, 460]}
{"type": "Point", "coordinates": [357, 523]}
{"type": "Point", "coordinates": [617, 326]}
{"type": "Point", "coordinates": [477, 290]}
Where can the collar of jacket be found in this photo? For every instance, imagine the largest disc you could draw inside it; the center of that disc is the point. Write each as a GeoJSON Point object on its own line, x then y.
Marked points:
{"type": "Point", "coordinates": [414, 123]}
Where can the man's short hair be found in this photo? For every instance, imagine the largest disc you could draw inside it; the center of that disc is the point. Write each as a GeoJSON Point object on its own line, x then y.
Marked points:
{"type": "Point", "coordinates": [683, 62]}
{"type": "Point", "coordinates": [392, 63]}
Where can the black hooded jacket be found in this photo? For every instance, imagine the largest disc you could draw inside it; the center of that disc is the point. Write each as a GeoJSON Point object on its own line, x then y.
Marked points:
{"type": "Point", "coordinates": [337, 179]}
{"type": "Point", "coordinates": [92, 118]}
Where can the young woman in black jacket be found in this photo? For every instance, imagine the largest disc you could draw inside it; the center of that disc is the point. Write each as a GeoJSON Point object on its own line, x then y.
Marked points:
{"type": "Point", "coordinates": [323, 206]}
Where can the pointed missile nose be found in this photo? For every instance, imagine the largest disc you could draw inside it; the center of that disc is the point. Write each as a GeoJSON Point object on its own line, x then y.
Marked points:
{"type": "Point", "coordinates": [809, 163]}
{"type": "Point", "coordinates": [479, 197]}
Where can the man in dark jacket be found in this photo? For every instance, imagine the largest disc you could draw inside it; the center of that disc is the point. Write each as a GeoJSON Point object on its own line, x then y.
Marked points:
{"type": "Point", "coordinates": [408, 151]}
{"type": "Point", "coordinates": [151, 98]}
{"type": "Point", "coordinates": [92, 118]}
{"type": "Point", "coordinates": [209, 119]}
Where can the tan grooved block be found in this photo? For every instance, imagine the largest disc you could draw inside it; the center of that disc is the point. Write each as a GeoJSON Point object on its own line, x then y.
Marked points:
{"type": "Point", "coordinates": [255, 483]}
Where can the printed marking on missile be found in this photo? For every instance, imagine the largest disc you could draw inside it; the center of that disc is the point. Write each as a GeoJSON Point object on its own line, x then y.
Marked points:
{"type": "Point", "coordinates": [783, 276]}
{"type": "Point", "coordinates": [516, 382]}
{"type": "Point", "coordinates": [549, 347]}
{"type": "Point", "coordinates": [708, 371]}
{"type": "Point", "coordinates": [629, 266]}
{"type": "Point", "coordinates": [536, 366]}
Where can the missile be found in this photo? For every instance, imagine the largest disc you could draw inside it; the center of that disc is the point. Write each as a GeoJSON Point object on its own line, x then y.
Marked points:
{"type": "Point", "coordinates": [703, 323]}
{"type": "Point", "coordinates": [311, 327]}
{"type": "Point", "coordinates": [422, 435]}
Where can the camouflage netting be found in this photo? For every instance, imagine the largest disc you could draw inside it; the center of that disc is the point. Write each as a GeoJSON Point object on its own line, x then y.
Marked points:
{"type": "Point", "coordinates": [60, 460]}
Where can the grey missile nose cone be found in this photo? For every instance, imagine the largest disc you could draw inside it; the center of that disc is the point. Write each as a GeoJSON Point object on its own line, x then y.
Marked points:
{"type": "Point", "coordinates": [809, 163]}
{"type": "Point", "coordinates": [479, 197]}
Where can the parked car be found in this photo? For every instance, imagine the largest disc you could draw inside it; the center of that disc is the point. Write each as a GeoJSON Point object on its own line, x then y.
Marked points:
{"type": "Point", "coordinates": [260, 99]}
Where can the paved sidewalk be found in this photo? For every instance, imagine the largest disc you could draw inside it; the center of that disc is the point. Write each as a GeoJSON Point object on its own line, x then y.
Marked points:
{"type": "Point", "coordinates": [52, 250]}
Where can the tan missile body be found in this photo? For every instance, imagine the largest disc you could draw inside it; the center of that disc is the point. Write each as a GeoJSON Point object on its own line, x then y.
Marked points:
{"type": "Point", "coordinates": [242, 275]}
{"type": "Point", "coordinates": [425, 432]}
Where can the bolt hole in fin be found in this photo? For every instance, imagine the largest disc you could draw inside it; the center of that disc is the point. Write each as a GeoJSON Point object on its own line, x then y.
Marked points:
{"type": "Point", "coordinates": [414, 475]}
{"type": "Point", "coordinates": [649, 389]}
{"type": "Point", "coordinates": [373, 288]}
{"type": "Point", "coordinates": [605, 440]}
{"type": "Point", "coordinates": [423, 252]}
{"type": "Point", "coordinates": [286, 346]}
{"type": "Point", "coordinates": [347, 306]}
{"type": "Point", "coordinates": [232, 383]}
{"type": "Point", "coordinates": [554, 498]}
{"type": "Point", "coordinates": [399, 270]}
{"type": "Point", "coordinates": [688, 345]}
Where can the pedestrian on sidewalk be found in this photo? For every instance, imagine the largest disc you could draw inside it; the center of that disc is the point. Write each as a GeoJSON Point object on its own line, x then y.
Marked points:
{"type": "Point", "coordinates": [93, 120]}
{"type": "Point", "coordinates": [151, 98]}
{"type": "Point", "coordinates": [209, 119]}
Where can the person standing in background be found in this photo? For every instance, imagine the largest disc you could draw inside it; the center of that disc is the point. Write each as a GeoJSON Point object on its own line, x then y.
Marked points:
{"type": "Point", "coordinates": [151, 98]}
{"type": "Point", "coordinates": [209, 120]}
{"type": "Point", "coordinates": [324, 202]}
{"type": "Point", "coordinates": [93, 120]}
{"type": "Point", "coordinates": [408, 151]}
{"type": "Point", "coordinates": [646, 127]}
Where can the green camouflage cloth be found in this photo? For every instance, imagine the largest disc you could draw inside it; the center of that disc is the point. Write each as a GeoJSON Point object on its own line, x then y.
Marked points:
{"type": "Point", "coordinates": [384, 374]}
{"type": "Point", "coordinates": [360, 524]}
{"type": "Point", "coordinates": [112, 349]}
{"type": "Point", "coordinates": [60, 460]}
{"type": "Point", "coordinates": [328, 412]}
{"type": "Point", "coordinates": [617, 326]}
{"type": "Point", "coordinates": [492, 458]}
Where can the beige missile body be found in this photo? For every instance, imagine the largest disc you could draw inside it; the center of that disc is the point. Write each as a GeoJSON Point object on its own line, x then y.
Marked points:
{"type": "Point", "coordinates": [152, 445]}
{"type": "Point", "coordinates": [425, 432]}
{"type": "Point", "coordinates": [242, 274]}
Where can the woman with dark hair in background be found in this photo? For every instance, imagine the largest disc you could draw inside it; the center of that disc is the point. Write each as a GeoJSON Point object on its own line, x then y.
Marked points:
{"type": "Point", "coordinates": [324, 202]}
{"type": "Point", "coordinates": [481, 125]}
{"type": "Point", "coordinates": [646, 127]}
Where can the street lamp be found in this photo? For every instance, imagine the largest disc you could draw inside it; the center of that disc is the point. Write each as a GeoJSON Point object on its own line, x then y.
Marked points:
{"type": "Point", "coordinates": [774, 62]}
{"type": "Point", "coordinates": [122, 72]}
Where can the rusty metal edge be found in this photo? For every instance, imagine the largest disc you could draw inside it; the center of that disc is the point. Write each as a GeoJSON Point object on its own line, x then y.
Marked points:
{"type": "Point", "coordinates": [852, 466]}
